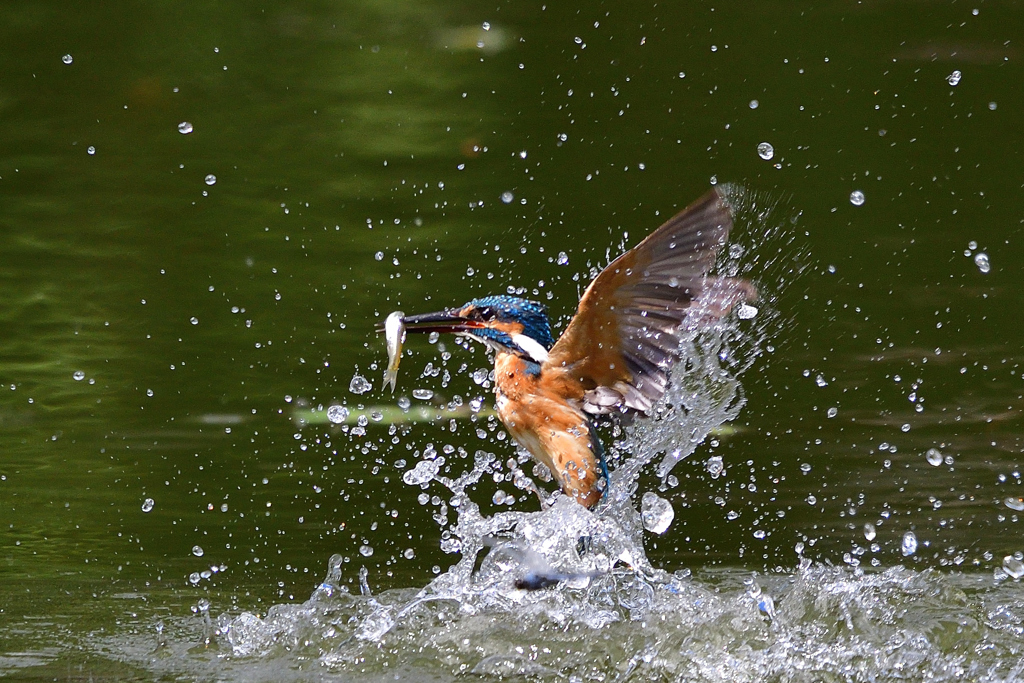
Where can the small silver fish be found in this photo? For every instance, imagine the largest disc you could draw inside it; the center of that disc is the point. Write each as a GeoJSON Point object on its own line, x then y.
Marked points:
{"type": "Point", "coordinates": [394, 333]}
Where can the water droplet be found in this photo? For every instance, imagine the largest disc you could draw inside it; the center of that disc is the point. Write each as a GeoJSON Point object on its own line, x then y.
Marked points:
{"type": "Point", "coordinates": [746, 311]}
{"type": "Point", "coordinates": [715, 466]}
{"type": "Point", "coordinates": [657, 513]}
{"type": "Point", "coordinates": [507, 197]}
{"type": "Point", "coordinates": [149, 392]}
{"type": "Point", "coordinates": [90, 150]}
{"type": "Point", "coordinates": [67, 59]}
{"type": "Point", "coordinates": [905, 427]}
{"type": "Point", "coordinates": [499, 497]}
{"type": "Point", "coordinates": [857, 198]}
{"type": "Point", "coordinates": [909, 544]}
{"type": "Point", "coordinates": [562, 259]}
{"type": "Point", "coordinates": [223, 507]}
{"type": "Point", "coordinates": [954, 78]}
{"type": "Point", "coordinates": [820, 381]}
{"type": "Point", "coordinates": [981, 260]}
{"type": "Point", "coordinates": [759, 533]}
{"type": "Point", "coordinates": [423, 394]}
{"type": "Point", "coordinates": [812, 499]}
{"type": "Point", "coordinates": [972, 245]}
{"type": "Point", "coordinates": [1015, 503]}
{"type": "Point", "coordinates": [933, 456]}
{"type": "Point", "coordinates": [365, 550]}
{"type": "Point", "coordinates": [765, 151]}
{"type": "Point", "coordinates": [404, 403]}
{"type": "Point", "coordinates": [754, 104]}
{"type": "Point", "coordinates": [869, 531]}
{"type": "Point", "coordinates": [210, 179]}
{"type": "Point", "coordinates": [194, 578]}
{"type": "Point", "coordinates": [359, 384]}
{"type": "Point", "coordinates": [337, 414]}
{"type": "Point", "coordinates": [185, 128]}
{"type": "Point", "coordinates": [422, 473]}
{"type": "Point", "coordinates": [78, 375]}
{"type": "Point", "coordinates": [1013, 567]}
{"type": "Point", "coordinates": [197, 551]}
{"type": "Point", "coordinates": [832, 412]}
{"type": "Point", "coordinates": [805, 467]}
{"type": "Point", "coordinates": [992, 106]}
{"type": "Point", "coordinates": [194, 320]}
{"type": "Point", "coordinates": [409, 553]}
{"type": "Point", "coordinates": [147, 505]}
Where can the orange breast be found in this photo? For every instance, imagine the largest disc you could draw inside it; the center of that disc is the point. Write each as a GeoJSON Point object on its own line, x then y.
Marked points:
{"type": "Point", "coordinates": [539, 415]}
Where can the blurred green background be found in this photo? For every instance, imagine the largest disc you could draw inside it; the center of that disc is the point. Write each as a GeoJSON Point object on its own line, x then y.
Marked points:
{"type": "Point", "coordinates": [206, 208]}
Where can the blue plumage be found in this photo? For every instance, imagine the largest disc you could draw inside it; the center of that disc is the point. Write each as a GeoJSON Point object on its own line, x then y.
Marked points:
{"type": "Point", "coordinates": [530, 314]}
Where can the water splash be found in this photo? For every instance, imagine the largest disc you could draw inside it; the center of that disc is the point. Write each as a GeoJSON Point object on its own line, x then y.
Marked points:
{"type": "Point", "coordinates": [657, 513]}
{"type": "Point", "coordinates": [583, 567]}
{"type": "Point", "coordinates": [813, 623]}
{"type": "Point", "coordinates": [908, 546]}
{"type": "Point", "coordinates": [567, 593]}
{"type": "Point", "coordinates": [982, 261]}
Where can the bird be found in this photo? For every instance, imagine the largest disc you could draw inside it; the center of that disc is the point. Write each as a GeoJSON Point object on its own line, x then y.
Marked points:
{"type": "Point", "coordinates": [617, 351]}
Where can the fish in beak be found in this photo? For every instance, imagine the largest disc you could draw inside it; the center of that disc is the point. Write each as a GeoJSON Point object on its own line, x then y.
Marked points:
{"type": "Point", "coordinates": [397, 324]}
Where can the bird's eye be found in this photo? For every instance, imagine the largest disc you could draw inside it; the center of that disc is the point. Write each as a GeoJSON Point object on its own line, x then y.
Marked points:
{"type": "Point", "coordinates": [486, 313]}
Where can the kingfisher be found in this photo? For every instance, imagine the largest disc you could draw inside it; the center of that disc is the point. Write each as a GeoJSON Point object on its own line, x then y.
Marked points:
{"type": "Point", "coordinates": [617, 351]}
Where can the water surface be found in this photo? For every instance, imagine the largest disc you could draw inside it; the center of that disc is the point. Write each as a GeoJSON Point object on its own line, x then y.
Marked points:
{"type": "Point", "coordinates": [181, 308]}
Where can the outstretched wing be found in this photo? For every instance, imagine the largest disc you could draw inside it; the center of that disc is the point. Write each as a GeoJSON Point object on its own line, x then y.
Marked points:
{"type": "Point", "coordinates": [621, 343]}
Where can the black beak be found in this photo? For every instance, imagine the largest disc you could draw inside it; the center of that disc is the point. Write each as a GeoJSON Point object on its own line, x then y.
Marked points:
{"type": "Point", "coordinates": [442, 321]}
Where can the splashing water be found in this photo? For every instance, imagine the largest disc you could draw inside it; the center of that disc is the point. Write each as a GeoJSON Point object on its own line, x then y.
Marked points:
{"type": "Point", "coordinates": [815, 623]}
{"type": "Point", "coordinates": [981, 260]}
{"type": "Point", "coordinates": [590, 566]}
{"type": "Point", "coordinates": [657, 513]}
{"type": "Point", "coordinates": [567, 593]}
{"type": "Point", "coordinates": [909, 544]}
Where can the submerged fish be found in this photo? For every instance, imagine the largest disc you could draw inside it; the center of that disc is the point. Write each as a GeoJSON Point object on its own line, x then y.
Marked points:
{"type": "Point", "coordinates": [394, 333]}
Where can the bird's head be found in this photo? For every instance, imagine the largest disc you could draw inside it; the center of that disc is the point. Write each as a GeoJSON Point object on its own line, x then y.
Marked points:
{"type": "Point", "coordinates": [503, 323]}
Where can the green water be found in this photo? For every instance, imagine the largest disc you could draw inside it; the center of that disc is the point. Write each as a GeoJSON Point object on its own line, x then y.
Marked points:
{"type": "Point", "coordinates": [361, 152]}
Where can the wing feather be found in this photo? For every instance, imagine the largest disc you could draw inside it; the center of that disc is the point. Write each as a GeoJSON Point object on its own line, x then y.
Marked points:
{"type": "Point", "coordinates": [620, 345]}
